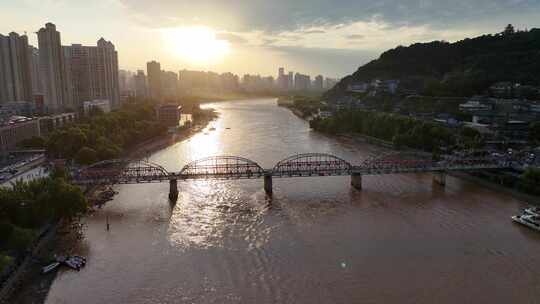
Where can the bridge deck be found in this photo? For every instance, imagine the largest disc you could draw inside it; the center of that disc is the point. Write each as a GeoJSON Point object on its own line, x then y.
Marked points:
{"type": "Point", "coordinates": [132, 179]}
{"type": "Point", "coordinates": [301, 165]}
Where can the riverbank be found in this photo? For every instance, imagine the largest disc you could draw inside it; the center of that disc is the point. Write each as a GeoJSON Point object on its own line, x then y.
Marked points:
{"type": "Point", "coordinates": [389, 147]}
{"type": "Point", "coordinates": [28, 273]}
{"type": "Point", "coordinates": [20, 271]}
{"type": "Point", "coordinates": [288, 104]}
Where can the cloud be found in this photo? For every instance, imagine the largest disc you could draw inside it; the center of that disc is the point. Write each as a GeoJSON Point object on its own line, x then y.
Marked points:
{"type": "Point", "coordinates": [337, 62]}
{"type": "Point", "coordinates": [309, 32]}
{"type": "Point", "coordinates": [232, 38]}
{"type": "Point", "coordinates": [355, 37]}
{"type": "Point", "coordinates": [283, 15]}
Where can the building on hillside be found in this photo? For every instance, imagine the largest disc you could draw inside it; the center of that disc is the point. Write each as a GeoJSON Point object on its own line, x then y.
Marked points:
{"type": "Point", "coordinates": [102, 104]}
{"type": "Point", "coordinates": [15, 68]}
{"type": "Point", "coordinates": [385, 86]}
{"type": "Point", "coordinates": [358, 87]}
{"type": "Point", "coordinates": [504, 89]}
{"type": "Point", "coordinates": [53, 70]}
{"type": "Point", "coordinates": [511, 129]}
{"type": "Point", "coordinates": [475, 105]}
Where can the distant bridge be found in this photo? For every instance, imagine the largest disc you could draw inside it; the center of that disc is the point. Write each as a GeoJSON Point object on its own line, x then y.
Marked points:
{"type": "Point", "coordinates": [125, 171]}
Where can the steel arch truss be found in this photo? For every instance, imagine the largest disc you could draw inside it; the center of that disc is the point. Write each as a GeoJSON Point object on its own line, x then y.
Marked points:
{"type": "Point", "coordinates": [121, 171]}
{"type": "Point", "coordinates": [222, 167]}
{"type": "Point", "coordinates": [312, 164]}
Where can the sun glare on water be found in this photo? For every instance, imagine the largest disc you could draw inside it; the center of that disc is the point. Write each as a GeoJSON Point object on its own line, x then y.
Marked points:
{"type": "Point", "coordinates": [196, 44]}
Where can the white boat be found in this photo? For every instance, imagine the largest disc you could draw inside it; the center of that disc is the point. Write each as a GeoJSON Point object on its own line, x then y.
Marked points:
{"type": "Point", "coordinates": [532, 211]}
{"type": "Point", "coordinates": [531, 221]}
{"type": "Point", "coordinates": [50, 267]}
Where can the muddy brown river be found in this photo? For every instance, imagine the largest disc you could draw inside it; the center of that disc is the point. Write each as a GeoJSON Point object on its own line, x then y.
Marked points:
{"type": "Point", "coordinates": [401, 239]}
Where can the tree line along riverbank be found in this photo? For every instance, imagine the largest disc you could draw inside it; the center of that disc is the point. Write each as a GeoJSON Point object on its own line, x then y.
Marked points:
{"type": "Point", "coordinates": [27, 208]}
{"type": "Point", "coordinates": [406, 132]}
{"type": "Point", "coordinates": [402, 132]}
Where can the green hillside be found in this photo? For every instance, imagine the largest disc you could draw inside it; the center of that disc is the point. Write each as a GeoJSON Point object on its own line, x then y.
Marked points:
{"type": "Point", "coordinates": [462, 68]}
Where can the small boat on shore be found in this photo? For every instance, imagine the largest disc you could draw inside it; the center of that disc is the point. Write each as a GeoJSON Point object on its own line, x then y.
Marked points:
{"type": "Point", "coordinates": [51, 267]}
{"type": "Point", "coordinates": [75, 262]}
{"type": "Point", "coordinates": [212, 129]}
{"type": "Point", "coordinates": [532, 211]}
{"type": "Point", "coordinates": [531, 221]}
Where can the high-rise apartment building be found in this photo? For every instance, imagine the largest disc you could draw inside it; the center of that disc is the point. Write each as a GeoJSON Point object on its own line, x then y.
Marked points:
{"type": "Point", "coordinates": [15, 68]}
{"type": "Point", "coordinates": [318, 84]}
{"type": "Point", "coordinates": [153, 69]}
{"type": "Point", "coordinates": [37, 80]}
{"type": "Point", "coordinates": [141, 88]}
{"type": "Point", "coordinates": [126, 82]}
{"type": "Point", "coordinates": [94, 73]}
{"type": "Point", "coordinates": [169, 84]}
{"type": "Point", "coordinates": [283, 80]}
{"type": "Point", "coordinates": [301, 82]}
{"type": "Point", "coordinates": [53, 70]}
{"type": "Point", "coordinates": [290, 79]}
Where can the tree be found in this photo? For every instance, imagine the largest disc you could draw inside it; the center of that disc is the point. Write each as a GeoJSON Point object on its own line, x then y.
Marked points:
{"type": "Point", "coordinates": [35, 142]}
{"type": "Point", "coordinates": [67, 200]}
{"type": "Point", "coordinates": [509, 30]}
{"type": "Point", "coordinates": [86, 156]}
{"type": "Point", "coordinates": [534, 132]}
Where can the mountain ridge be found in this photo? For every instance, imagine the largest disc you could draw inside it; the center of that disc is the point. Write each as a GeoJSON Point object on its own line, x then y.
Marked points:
{"type": "Point", "coordinates": [462, 68]}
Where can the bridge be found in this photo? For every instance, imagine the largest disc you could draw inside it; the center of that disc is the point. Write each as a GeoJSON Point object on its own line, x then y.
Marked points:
{"type": "Point", "coordinates": [125, 171]}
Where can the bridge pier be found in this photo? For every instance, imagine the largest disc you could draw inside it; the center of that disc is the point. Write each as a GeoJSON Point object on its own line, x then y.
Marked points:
{"type": "Point", "coordinates": [356, 181]}
{"type": "Point", "coordinates": [440, 178]}
{"type": "Point", "coordinates": [173, 190]}
{"type": "Point", "coordinates": [268, 184]}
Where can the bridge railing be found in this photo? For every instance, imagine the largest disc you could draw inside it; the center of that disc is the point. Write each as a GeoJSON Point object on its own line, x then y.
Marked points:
{"type": "Point", "coordinates": [232, 167]}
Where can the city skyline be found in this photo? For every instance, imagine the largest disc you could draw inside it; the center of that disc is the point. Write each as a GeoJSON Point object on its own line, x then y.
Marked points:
{"type": "Point", "coordinates": [346, 34]}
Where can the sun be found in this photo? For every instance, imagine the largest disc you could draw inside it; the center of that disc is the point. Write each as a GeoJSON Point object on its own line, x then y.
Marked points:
{"type": "Point", "coordinates": [196, 44]}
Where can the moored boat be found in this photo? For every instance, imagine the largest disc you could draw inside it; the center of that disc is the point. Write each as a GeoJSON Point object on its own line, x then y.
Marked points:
{"type": "Point", "coordinates": [533, 211]}
{"type": "Point", "coordinates": [50, 267]}
{"type": "Point", "coordinates": [531, 221]}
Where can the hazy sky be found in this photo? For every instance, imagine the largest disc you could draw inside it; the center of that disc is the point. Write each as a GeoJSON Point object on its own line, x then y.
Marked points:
{"type": "Point", "coordinates": [258, 36]}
